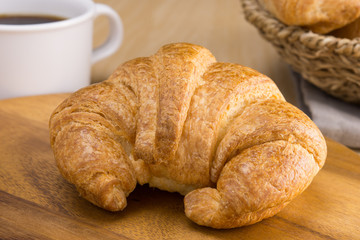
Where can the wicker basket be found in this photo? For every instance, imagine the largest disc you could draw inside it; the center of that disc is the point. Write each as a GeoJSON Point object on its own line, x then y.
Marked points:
{"type": "Point", "coordinates": [332, 64]}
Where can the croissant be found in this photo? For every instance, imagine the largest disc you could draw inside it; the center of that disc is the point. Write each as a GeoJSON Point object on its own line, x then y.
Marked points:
{"type": "Point", "coordinates": [319, 16]}
{"type": "Point", "coordinates": [219, 133]}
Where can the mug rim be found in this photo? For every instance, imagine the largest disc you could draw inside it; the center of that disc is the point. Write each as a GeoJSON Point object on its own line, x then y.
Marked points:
{"type": "Point", "coordinates": [52, 25]}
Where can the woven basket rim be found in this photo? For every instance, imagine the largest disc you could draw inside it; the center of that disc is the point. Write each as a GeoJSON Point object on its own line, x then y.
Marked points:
{"type": "Point", "coordinates": [262, 19]}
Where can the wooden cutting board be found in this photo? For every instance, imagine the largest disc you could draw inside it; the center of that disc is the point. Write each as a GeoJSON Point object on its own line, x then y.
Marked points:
{"type": "Point", "coordinates": [37, 203]}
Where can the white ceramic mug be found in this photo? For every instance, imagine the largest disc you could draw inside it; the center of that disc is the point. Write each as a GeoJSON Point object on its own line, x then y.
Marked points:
{"type": "Point", "coordinates": [52, 57]}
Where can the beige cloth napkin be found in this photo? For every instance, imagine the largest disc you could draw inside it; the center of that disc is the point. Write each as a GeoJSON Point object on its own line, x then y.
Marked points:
{"type": "Point", "coordinates": [336, 119]}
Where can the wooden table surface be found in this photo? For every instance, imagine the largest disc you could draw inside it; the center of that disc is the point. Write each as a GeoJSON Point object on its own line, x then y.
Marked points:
{"type": "Point", "coordinates": [37, 203]}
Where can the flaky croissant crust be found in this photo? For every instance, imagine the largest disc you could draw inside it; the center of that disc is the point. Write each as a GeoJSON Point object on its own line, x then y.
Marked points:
{"type": "Point", "coordinates": [219, 133]}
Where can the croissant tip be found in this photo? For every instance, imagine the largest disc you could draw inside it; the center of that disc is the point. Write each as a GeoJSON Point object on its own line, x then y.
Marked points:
{"type": "Point", "coordinates": [202, 205]}
{"type": "Point", "coordinates": [115, 200]}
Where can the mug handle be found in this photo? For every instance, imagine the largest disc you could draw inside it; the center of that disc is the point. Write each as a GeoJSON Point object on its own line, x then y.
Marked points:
{"type": "Point", "coordinates": [115, 37]}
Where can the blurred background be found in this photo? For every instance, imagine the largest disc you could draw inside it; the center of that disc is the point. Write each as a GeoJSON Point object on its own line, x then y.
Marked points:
{"type": "Point", "coordinates": [215, 24]}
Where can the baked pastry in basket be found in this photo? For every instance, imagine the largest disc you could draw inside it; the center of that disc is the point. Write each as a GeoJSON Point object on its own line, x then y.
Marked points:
{"type": "Point", "coordinates": [319, 16]}
{"type": "Point", "coordinates": [219, 133]}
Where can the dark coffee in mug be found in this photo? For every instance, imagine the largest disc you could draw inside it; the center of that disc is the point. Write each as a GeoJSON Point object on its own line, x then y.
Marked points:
{"type": "Point", "coordinates": [9, 19]}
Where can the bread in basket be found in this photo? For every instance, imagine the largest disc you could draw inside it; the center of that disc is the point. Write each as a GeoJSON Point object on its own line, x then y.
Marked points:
{"type": "Point", "coordinates": [330, 62]}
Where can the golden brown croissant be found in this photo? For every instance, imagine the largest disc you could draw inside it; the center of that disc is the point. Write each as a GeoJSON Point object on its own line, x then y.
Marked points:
{"type": "Point", "coordinates": [219, 133]}
{"type": "Point", "coordinates": [319, 16]}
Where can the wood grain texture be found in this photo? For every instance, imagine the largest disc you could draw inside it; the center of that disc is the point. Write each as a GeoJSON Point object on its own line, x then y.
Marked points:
{"type": "Point", "coordinates": [35, 198]}
{"type": "Point", "coordinates": [21, 219]}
